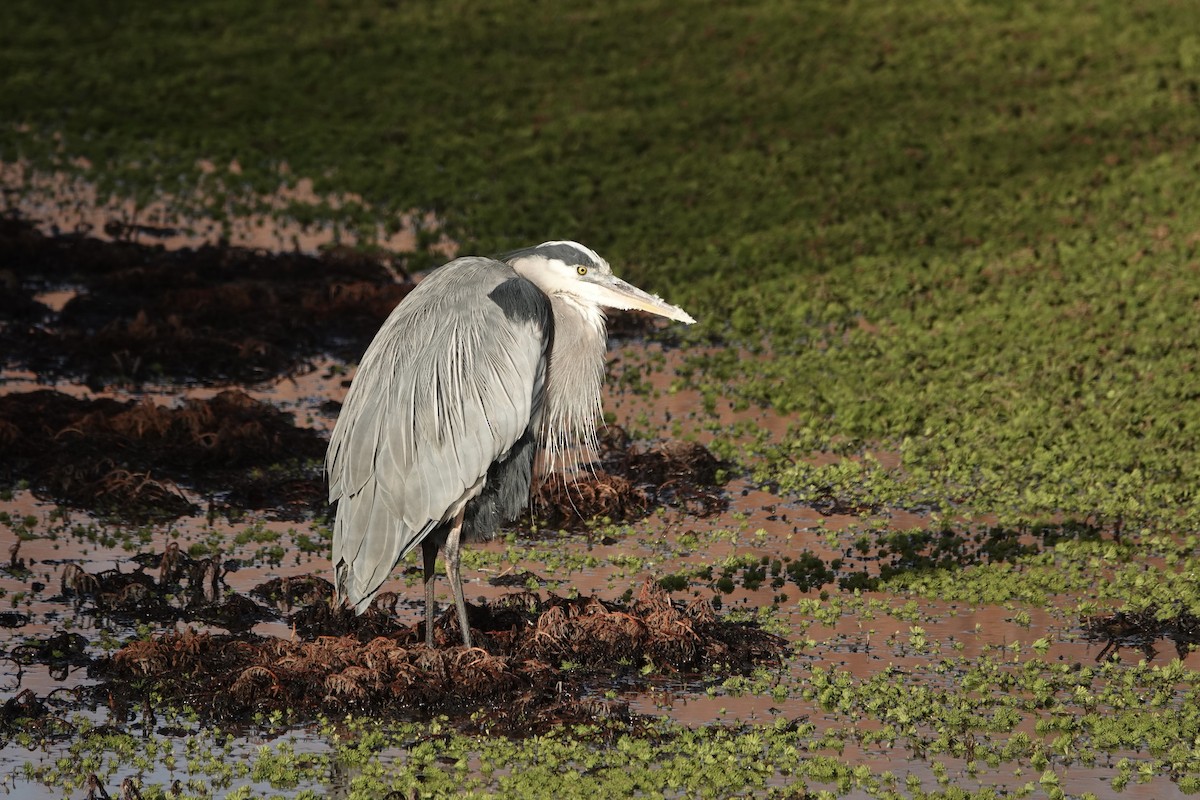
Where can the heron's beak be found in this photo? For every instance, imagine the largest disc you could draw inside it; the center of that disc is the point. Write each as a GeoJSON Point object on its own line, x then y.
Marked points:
{"type": "Point", "coordinates": [611, 291]}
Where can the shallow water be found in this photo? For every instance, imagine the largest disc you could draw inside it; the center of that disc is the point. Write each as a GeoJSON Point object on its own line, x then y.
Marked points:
{"type": "Point", "coordinates": [757, 525]}
{"type": "Point", "coordinates": [928, 640]}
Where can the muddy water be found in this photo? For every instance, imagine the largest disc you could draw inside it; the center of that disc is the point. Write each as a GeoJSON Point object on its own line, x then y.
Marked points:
{"type": "Point", "coordinates": [757, 526]}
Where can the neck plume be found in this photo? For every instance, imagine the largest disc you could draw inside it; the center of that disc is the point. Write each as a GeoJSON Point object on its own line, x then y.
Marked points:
{"type": "Point", "coordinates": [576, 374]}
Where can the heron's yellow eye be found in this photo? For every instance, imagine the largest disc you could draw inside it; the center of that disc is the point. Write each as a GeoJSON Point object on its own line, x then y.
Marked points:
{"type": "Point", "coordinates": [581, 270]}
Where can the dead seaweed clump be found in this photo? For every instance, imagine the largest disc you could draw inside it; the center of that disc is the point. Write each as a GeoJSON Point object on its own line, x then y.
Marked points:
{"type": "Point", "coordinates": [186, 589]}
{"type": "Point", "coordinates": [566, 502]}
{"type": "Point", "coordinates": [129, 458]}
{"type": "Point", "coordinates": [631, 482]}
{"type": "Point", "coordinates": [539, 661]}
{"type": "Point", "coordinates": [684, 475]}
{"type": "Point", "coordinates": [212, 314]}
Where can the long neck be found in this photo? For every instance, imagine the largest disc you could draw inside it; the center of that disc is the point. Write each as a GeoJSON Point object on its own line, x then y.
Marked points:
{"type": "Point", "coordinates": [576, 374]}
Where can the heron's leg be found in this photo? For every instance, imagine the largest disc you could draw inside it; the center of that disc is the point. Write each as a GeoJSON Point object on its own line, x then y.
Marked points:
{"type": "Point", "coordinates": [429, 553]}
{"type": "Point", "coordinates": [453, 545]}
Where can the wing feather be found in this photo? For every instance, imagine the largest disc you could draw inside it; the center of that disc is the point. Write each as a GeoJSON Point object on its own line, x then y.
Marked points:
{"type": "Point", "coordinates": [448, 386]}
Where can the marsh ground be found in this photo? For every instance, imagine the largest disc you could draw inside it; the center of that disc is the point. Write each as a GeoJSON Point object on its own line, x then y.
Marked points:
{"type": "Point", "coordinates": [945, 262]}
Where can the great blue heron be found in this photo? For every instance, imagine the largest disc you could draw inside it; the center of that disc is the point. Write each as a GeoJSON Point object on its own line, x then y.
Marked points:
{"type": "Point", "coordinates": [485, 362]}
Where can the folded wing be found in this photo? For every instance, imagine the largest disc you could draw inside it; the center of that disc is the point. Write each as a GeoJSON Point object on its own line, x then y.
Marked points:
{"type": "Point", "coordinates": [452, 380]}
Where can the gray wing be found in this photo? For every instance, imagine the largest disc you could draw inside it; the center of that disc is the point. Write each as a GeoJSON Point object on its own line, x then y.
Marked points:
{"type": "Point", "coordinates": [452, 380]}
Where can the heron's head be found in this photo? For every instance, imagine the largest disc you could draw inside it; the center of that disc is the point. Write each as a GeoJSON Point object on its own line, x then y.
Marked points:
{"type": "Point", "coordinates": [577, 274]}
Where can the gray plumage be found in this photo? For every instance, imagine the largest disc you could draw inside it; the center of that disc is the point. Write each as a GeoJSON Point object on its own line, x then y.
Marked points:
{"type": "Point", "coordinates": [482, 364]}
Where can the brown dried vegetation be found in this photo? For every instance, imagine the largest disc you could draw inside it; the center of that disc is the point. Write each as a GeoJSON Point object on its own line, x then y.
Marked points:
{"type": "Point", "coordinates": [633, 481]}
{"type": "Point", "coordinates": [680, 474]}
{"type": "Point", "coordinates": [127, 458]}
{"type": "Point", "coordinates": [539, 661]}
{"type": "Point", "coordinates": [211, 315]}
